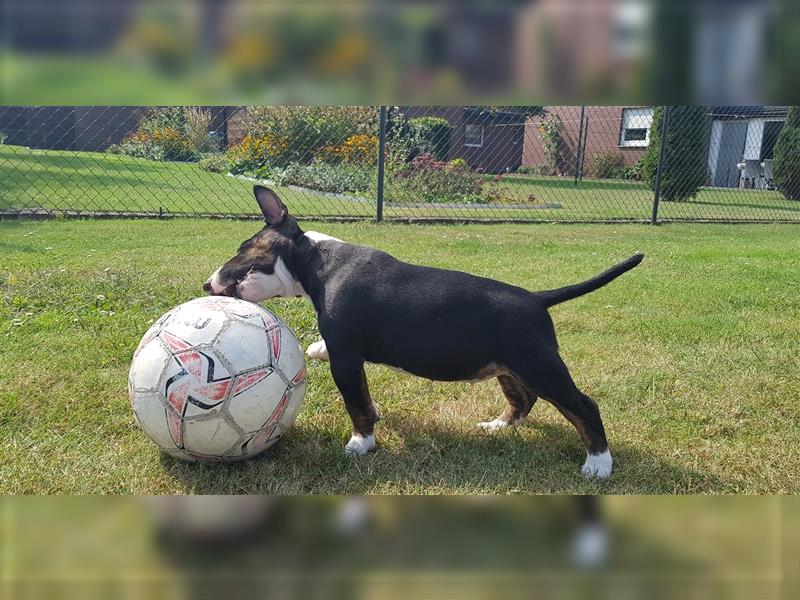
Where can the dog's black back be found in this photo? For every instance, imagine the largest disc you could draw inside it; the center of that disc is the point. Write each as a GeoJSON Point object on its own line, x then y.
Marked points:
{"type": "Point", "coordinates": [435, 323]}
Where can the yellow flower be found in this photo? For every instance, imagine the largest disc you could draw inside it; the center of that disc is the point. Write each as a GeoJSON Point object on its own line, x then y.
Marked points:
{"type": "Point", "coordinates": [360, 149]}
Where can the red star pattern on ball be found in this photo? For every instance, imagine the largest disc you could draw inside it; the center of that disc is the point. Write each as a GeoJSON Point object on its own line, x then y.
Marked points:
{"type": "Point", "coordinates": [263, 435]}
{"type": "Point", "coordinates": [273, 333]}
{"type": "Point", "coordinates": [196, 384]}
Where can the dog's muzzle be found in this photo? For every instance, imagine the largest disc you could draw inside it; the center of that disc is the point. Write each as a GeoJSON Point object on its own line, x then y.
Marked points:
{"type": "Point", "coordinates": [208, 288]}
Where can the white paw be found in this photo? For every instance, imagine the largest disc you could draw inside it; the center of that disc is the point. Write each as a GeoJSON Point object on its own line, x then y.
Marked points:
{"type": "Point", "coordinates": [494, 425]}
{"type": "Point", "coordinates": [318, 350]}
{"type": "Point", "coordinates": [598, 465]}
{"type": "Point", "coordinates": [591, 546]}
{"type": "Point", "coordinates": [354, 515]}
{"type": "Point", "coordinates": [359, 445]}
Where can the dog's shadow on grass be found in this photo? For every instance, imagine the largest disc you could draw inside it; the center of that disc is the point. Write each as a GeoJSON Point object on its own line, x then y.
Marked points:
{"type": "Point", "coordinates": [423, 457]}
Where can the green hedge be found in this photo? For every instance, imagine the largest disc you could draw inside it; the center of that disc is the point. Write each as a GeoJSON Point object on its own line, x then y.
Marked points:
{"type": "Point", "coordinates": [787, 156]}
{"type": "Point", "coordinates": [431, 135]}
{"type": "Point", "coordinates": [685, 153]}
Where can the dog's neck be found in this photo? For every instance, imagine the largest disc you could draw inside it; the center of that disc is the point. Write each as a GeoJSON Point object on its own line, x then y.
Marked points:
{"type": "Point", "coordinates": [310, 266]}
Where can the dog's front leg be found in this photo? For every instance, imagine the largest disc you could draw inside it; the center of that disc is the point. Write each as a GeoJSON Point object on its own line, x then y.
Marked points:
{"type": "Point", "coordinates": [349, 376]}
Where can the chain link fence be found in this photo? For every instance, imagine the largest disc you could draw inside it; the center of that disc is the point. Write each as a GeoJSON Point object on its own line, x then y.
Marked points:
{"type": "Point", "coordinates": [486, 164]}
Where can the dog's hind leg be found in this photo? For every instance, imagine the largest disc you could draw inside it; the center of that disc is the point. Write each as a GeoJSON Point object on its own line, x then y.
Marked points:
{"type": "Point", "coordinates": [590, 546]}
{"type": "Point", "coordinates": [349, 376]}
{"type": "Point", "coordinates": [520, 401]}
{"type": "Point", "coordinates": [549, 378]}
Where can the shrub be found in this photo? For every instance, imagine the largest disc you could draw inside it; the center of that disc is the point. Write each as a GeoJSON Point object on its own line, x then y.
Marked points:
{"type": "Point", "coordinates": [550, 134]}
{"type": "Point", "coordinates": [426, 162]}
{"type": "Point", "coordinates": [438, 186]}
{"type": "Point", "coordinates": [138, 145]}
{"type": "Point", "coordinates": [198, 138]}
{"type": "Point", "coordinates": [610, 165]}
{"type": "Point", "coordinates": [329, 154]}
{"type": "Point", "coordinates": [360, 149]}
{"type": "Point", "coordinates": [300, 133]}
{"type": "Point", "coordinates": [431, 135]}
{"type": "Point", "coordinates": [254, 152]}
{"type": "Point", "coordinates": [400, 145]}
{"type": "Point", "coordinates": [427, 179]}
{"type": "Point", "coordinates": [215, 163]}
{"type": "Point", "coordinates": [175, 144]}
{"type": "Point", "coordinates": [264, 172]}
{"type": "Point", "coordinates": [325, 177]}
{"type": "Point", "coordinates": [495, 193]}
{"type": "Point", "coordinates": [685, 153]}
{"type": "Point", "coordinates": [169, 133]}
{"type": "Point", "coordinates": [786, 156]}
{"type": "Point", "coordinates": [166, 117]}
{"type": "Point", "coordinates": [633, 172]}
{"type": "Point", "coordinates": [458, 164]}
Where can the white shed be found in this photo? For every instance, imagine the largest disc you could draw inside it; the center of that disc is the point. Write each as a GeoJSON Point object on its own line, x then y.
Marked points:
{"type": "Point", "coordinates": [738, 134]}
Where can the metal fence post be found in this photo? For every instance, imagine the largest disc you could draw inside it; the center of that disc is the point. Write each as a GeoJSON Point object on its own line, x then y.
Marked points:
{"type": "Point", "coordinates": [578, 160]}
{"type": "Point", "coordinates": [381, 164]}
{"type": "Point", "coordinates": [660, 168]}
{"type": "Point", "coordinates": [583, 149]}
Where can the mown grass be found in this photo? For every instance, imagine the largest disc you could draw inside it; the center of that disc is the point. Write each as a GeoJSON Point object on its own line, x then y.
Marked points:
{"type": "Point", "coordinates": [431, 547]}
{"type": "Point", "coordinates": [693, 358]}
{"type": "Point", "coordinates": [92, 181]}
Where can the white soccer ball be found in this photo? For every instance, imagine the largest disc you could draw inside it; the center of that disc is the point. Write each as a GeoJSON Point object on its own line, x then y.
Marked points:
{"type": "Point", "coordinates": [217, 379]}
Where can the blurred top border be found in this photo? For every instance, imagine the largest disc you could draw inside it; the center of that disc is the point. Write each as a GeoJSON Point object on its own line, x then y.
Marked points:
{"type": "Point", "coordinates": [735, 52]}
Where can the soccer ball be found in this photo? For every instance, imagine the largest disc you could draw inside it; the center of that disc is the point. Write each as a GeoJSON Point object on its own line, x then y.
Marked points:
{"type": "Point", "coordinates": [217, 379]}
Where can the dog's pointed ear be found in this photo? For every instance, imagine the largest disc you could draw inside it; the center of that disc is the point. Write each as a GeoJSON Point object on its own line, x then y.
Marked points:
{"type": "Point", "coordinates": [272, 208]}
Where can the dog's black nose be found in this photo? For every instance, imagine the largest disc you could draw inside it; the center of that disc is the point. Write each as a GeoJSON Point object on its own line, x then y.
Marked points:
{"type": "Point", "coordinates": [207, 287]}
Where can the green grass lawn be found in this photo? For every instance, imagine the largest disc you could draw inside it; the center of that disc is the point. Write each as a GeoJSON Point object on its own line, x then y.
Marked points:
{"type": "Point", "coordinates": [452, 547]}
{"type": "Point", "coordinates": [91, 181]}
{"type": "Point", "coordinates": [94, 181]}
{"type": "Point", "coordinates": [693, 358]}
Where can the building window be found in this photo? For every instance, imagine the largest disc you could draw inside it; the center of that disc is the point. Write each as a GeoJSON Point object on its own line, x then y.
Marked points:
{"type": "Point", "coordinates": [473, 135]}
{"type": "Point", "coordinates": [636, 124]}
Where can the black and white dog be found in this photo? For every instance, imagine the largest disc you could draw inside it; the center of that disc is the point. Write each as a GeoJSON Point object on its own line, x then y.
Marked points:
{"type": "Point", "coordinates": [374, 308]}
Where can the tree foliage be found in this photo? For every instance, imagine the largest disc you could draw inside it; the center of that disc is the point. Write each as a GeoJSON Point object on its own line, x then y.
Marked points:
{"type": "Point", "coordinates": [786, 156]}
{"type": "Point", "coordinates": [685, 161]}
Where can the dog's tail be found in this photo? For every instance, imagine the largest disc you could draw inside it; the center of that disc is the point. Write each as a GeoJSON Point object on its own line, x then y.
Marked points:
{"type": "Point", "coordinates": [552, 297]}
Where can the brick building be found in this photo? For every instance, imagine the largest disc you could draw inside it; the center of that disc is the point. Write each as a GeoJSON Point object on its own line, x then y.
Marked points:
{"type": "Point", "coordinates": [607, 129]}
{"type": "Point", "coordinates": [491, 140]}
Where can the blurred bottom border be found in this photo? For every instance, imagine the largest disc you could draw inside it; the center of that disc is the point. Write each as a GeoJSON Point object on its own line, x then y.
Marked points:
{"type": "Point", "coordinates": [391, 547]}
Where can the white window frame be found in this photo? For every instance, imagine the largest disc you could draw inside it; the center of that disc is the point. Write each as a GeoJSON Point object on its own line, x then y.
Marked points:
{"type": "Point", "coordinates": [644, 118]}
{"type": "Point", "coordinates": [466, 143]}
